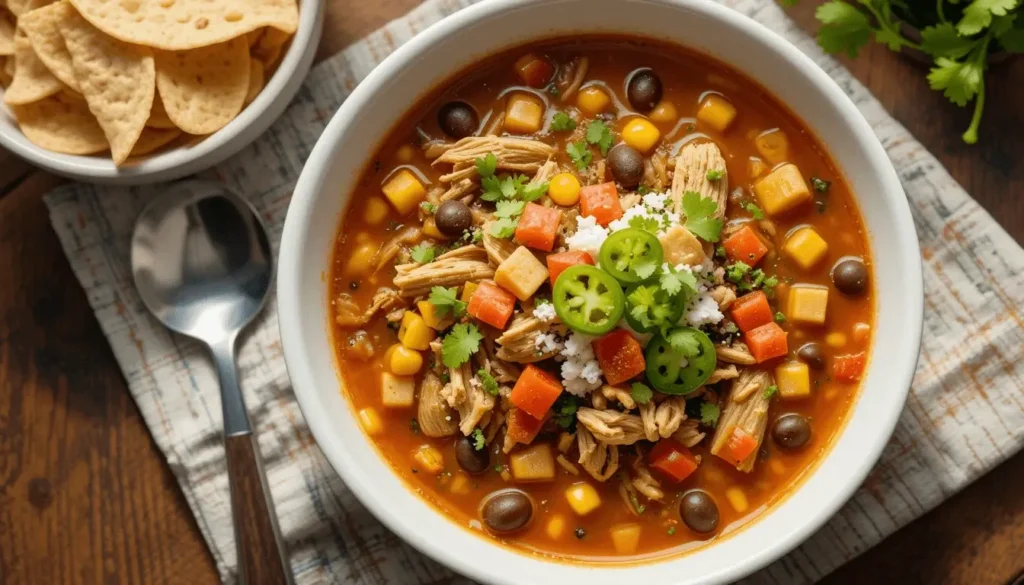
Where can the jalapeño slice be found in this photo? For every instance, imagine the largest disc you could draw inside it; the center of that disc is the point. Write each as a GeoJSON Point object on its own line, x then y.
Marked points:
{"type": "Point", "coordinates": [588, 299]}
{"type": "Point", "coordinates": [659, 308]}
{"type": "Point", "coordinates": [663, 364]}
{"type": "Point", "coordinates": [631, 255]}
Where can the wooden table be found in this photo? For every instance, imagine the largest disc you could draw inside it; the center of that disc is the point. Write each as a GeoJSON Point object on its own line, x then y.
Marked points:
{"type": "Point", "coordinates": [85, 496]}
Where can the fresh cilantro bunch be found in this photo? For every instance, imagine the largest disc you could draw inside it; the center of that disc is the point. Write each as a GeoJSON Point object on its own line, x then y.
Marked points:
{"type": "Point", "coordinates": [509, 193]}
{"type": "Point", "coordinates": [958, 44]}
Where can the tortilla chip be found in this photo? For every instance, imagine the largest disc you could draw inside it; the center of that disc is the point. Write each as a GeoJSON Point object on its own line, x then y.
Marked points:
{"type": "Point", "coordinates": [60, 127]}
{"type": "Point", "coordinates": [256, 80]}
{"type": "Point", "coordinates": [42, 26]}
{"type": "Point", "coordinates": [32, 80]}
{"type": "Point", "coordinates": [5, 77]}
{"type": "Point", "coordinates": [158, 115]}
{"type": "Point", "coordinates": [269, 47]}
{"type": "Point", "coordinates": [153, 138]}
{"type": "Point", "coordinates": [176, 25]}
{"type": "Point", "coordinates": [205, 88]}
{"type": "Point", "coordinates": [117, 80]}
{"type": "Point", "coordinates": [6, 34]}
{"type": "Point", "coordinates": [17, 7]}
{"type": "Point", "coordinates": [253, 36]}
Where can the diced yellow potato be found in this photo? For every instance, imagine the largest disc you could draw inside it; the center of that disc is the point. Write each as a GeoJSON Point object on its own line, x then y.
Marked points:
{"type": "Point", "coordinates": [641, 134]}
{"type": "Point", "coordinates": [524, 113]}
{"type": "Point", "coordinates": [405, 361]}
{"type": "Point", "coordinates": [431, 460]}
{"type": "Point", "coordinates": [521, 273]}
{"type": "Point", "coordinates": [793, 380]}
{"type": "Point", "coordinates": [756, 167]}
{"type": "Point", "coordinates": [361, 262]}
{"type": "Point", "coordinates": [535, 463]}
{"type": "Point", "coordinates": [806, 303]}
{"type": "Point", "coordinates": [835, 339]}
{"type": "Point", "coordinates": [565, 442]}
{"type": "Point", "coordinates": [429, 313]}
{"type": "Point", "coordinates": [783, 189]}
{"type": "Point", "coordinates": [397, 391]}
{"type": "Point", "coordinates": [555, 527]}
{"type": "Point", "coordinates": [414, 332]}
{"type": "Point", "coordinates": [737, 498]}
{"type": "Point", "coordinates": [626, 538]}
{"type": "Point", "coordinates": [716, 111]}
{"type": "Point", "coordinates": [376, 211]}
{"type": "Point", "coordinates": [405, 191]}
{"type": "Point", "coordinates": [582, 498]}
{"type": "Point", "coordinates": [564, 189]}
{"type": "Point", "coordinates": [773, 145]}
{"type": "Point", "coordinates": [430, 229]}
{"type": "Point", "coordinates": [370, 421]}
{"type": "Point", "coordinates": [461, 484]}
{"type": "Point", "coordinates": [664, 113]}
{"type": "Point", "coordinates": [806, 247]}
{"type": "Point", "coordinates": [467, 291]}
{"type": "Point", "coordinates": [592, 100]}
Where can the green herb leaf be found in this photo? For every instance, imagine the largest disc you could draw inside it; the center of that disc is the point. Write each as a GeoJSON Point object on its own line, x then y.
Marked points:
{"type": "Point", "coordinates": [505, 227]}
{"type": "Point", "coordinates": [561, 122]}
{"type": "Point", "coordinates": [820, 185]}
{"type": "Point", "coordinates": [1010, 33]}
{"type": "Point", "coordinates": [719, 251]}
{"type": "Point", "coordinates": [960, 82]}
{"type": "Point", "coordinates": [487, 380]}
{"type": "Point", "coordinates": [978, 15]}
{"type": "Point", "coordinates": [486, 166]}
{"type": "Point", "coordinates": [770, 391]}
{"type": "Point", "coordinates": [644, 222]}
{"type": "Point", "coordinates": [678, 281]}
{"type": "Point", "coordinates": [699, 213]}
{"type": "Point", "coordinates": [600, 135]}
{"type": "Point", "coordinates": [533, 192]}
{"type": "Point", "coordinates": [889, 38]}
{"type": "Point", "coordinates": [735, 272]}
{"type": "Point", "coordinates": [672, 529]}
{"type": "Point", "coordinates": [580, 155]}
{"type": "Point", "coordinates": [709, 413]}
{"type": "Point", "coordinates": [565, 411]}
{"type": "Point", "coordinates": [642, 393]}
{"type": "Point", "coordinates": [508, 208]}
{"type": "Point", "coordinates": [684, 340]}
{"type": "Point", "coordinates": [461, 343]}
{"type": "Point", "coordinates": [446, 302]}
{"type": "Point", "coordinates": [423, 253]}
{"type": "Point", "coordinates": [844, 28]}
{"type": "Point", "coordinates": [414, 426]}
{"type": "Point", "coordinates": [779, 317]}
{"type": "Point", "coordinates": [492, 188]}
{"type": "Point", "coordinates": [715, 175]}
{"type": "Point", "coordinates": [942, 40]}
{"type": "Point", "coordinates": [479, 440]}
{"type": "Point", "coordinates": [753, 210]}
{"type": "Point", "coordinates": [428, 207]}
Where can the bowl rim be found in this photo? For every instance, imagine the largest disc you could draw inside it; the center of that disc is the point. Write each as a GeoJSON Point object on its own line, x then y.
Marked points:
{"type": "Point", "coordinates": [309, 187]}
{"type": "Point", "coordinates": [246, 127]}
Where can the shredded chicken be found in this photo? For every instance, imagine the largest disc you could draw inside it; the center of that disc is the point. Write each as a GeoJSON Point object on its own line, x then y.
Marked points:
{"type": "Point", "coordinates": [599, 459]}
{"type": "Point", "coordinates": [392, 247]}
{"type": "Point", "coordinates": [437, 365]}
{"type": "Point", "coordinates": [545, 173]}
{"type": "Point", "coordinates": [466, 264]}
{"type": "Point", "coordinates": [749, 416]}
{"type": "Point", "coordinates": [692, 166]}
{"type": "Point", "coordinates": [689, 433]}
{"type": "Point", "coordinates": [645, 483]}
{"type": "Point", "coordinates": [497, 421]}
{"type": "Point", "coordinates": [347, 313]}
{"type": "Point", "coordinates": [681, 247]}
{"type": "Point", "coordinates": [466, 395]}
{"type": "Point", "coordinates": [567, 465]}
{"type": "Point", "coordinates": [612, 427]}
{"type": "Point", "coordinates": [728, 372]}
{"type": "Point", "coordinates": [737, 353]}
{"type": "Point", "coordinates": [724, 296]}
{"type": "Point", "coordinates": [519, 342]}
{"type": "Point", "coordinates": [435, 148]}
{"type": "Point", "coordinates": [498, 249]}
{"type": "Point", "coordinates": [620, 395]}
{"type": "Point", "coordinates": [502, 371]}
{"type": "Point", "coordinates": [513, 154]}
{"type": "Point", "coordinates": [629, 200]}
{"type": "Point", "coordinates": [648, 414]}
{"type": "Point", "coordinates": [670, 414]}
{"type": "Point", "coordinates": [459, 188]}
{"type": "Point", "coordinates": [435, 417]}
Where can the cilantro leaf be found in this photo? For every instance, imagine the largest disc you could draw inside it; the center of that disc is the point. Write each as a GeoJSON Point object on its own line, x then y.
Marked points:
{"type": "Point", "coordinates": [446, 301]}
{"type": "Point", "coordinates": [684, 340]}
{"type": "Point", "coordinates": [675, 281]}
{"type": "Point", "coordinates": [505, 227]}
{"type": "Point", "coordinates": [889, 38]}
{"type": "Point", "coordinates": [1011, 36]}
{"type": "Point", "coordinates": [486, 166]}
{"type": "Point", "coordinates": [645, 222]}
{"type": "Point", "coordinates": [844, 28]}
{"type": "Point", "coordinates": [561, 122]}
{"type": "Point", "coordinates": [600, 135]}
{"type": "Point", "coordinates": [978, 15]}
{"type": "Point", "coordinates": [715, 175]}
{"type": "Point", "coordinates": [479, 440]}
{"type": "Point", "coordinates": [820, 185]}
{"type": "Point", "coordinates": [428, 207]}
{"type": "Point", "coordinates": [643, 267]}
{"type": "Point", "coordinates": [959, 81]}
{"type": "Point", "coordinates": [423, 253]}
{"type": "Point", "coordinates": [642, 393]}
{"type": "Point", "coordinates": [709, 413]}
{"type": "Point", "coordinates": [770, 391]}
{"type": "Point", "coordinates": [461, 343]}
{"type": "Point", "coordinates": [580, 155]}
{"type": "Point", "coordinates": [780, 317]}
{"type": "Point", "coordinates": [699, 213]}
{"type": "Point", "coordinates": [492, 188]}
{"type": "Point", "coordinates": [565, 411]}
{"type": "Point", "coordinates": [508, 208]}
{"type": "Point", "coordinates": [942, 40]}
{"type": "Point", "coordinates": [735, 272]}
{"type": "Point", "coordinates": [487, 380]}
{"type": "Point", "coordinates": [533, 192]}
{"type": "Point", "coordinates": [753, 210]}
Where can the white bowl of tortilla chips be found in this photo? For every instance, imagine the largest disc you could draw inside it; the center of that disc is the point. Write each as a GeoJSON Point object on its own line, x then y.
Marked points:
{"type": "Point", "coordinates": [141, 91]}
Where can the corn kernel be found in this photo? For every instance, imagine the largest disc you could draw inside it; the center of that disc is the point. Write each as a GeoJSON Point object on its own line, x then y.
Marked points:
{"type": "Point", "coordinates": [521, 273]}
{"type": "Point", "coordinates": [861, 331]}
{"type": "Point", "coordinates": [405, 153]}
{"type": "Point", "coordinates": [773, 145]}
{"type": "Point", "coordinates": [737, 499]}
{"type": "Point", "coordinates": [405, 361]}
{"type": "Point", "coordinates": [626, 538]}
{"type": "Point", "coordinates": [756, 167]}
{"type": "Point", "coordinates": [370, 421]}
{"type": "Point", "coordinates": [807, 303]}
{"type": "Point", "coordinates": [405, 191]}
{"type": "Point", "coordinates": [592, 100]}
{"type": "Point", "coordinates": [375, 211]}
{"type": "Point", "coordinates": [430, 229]}
{"type": "Point", "coordinates": [414, 333]}
{"type": "Point", "coordinates": [555, 527]}
{"type": "Point", "coordinates": [564, 189]}
{"type": "Point", "coordinates": [361, 261]}
{"type": "Point", "coordinates": [806, 247]}
{"type": "Point", "coordinates": [390, 352]}
{"type": "Point", "coordinates": [460, 484]}
{"type": "Point", "coordinates": [664, 113]}
{"type": "Point", "coordinates": [429, 313]}
{"type": "Point", "coordinates": [641, 134]}
{"type": "Point", "coordinates": [467, 291]}
{"type": "Point", "coordinates": [793, 380]}
{"type": "Point", "coordinates": [430, 458]}
{"type": "Point", "coordinates": [716, 112]}
{"type": "Point", "coordinates": [835, 339]}
{"type": "Point", "coordinates": [777, 467]}
{"type": "Point", "coordinates": [524, 113]}
{"type": "Point", "coordinates": [582, 498]}
{"type": "Point", "coordinates": [397, 391]}
{"type": "Point", "coordinates": [781, 190]}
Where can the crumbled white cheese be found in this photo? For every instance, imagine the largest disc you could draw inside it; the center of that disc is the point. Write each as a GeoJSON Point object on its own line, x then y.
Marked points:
{"type": "Point", "coordinates": [635, 211]}
{"type": "Point", "coordinates": [703, 310]}
{"type": "Point", "coordinates": [656, 201]}
{"type": "Point", "coordinates": [588, 237]}
{"type": "Point", "coordinates": [581, 373]}
{"type": "Point", "coordinates": [547, 343]}
{"type": "Point", "coordinates": [545, 312]}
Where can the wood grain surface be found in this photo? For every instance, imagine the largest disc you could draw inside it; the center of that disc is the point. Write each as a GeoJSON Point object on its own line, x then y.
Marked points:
{"type": "Point", "coordinates": [86, 498]}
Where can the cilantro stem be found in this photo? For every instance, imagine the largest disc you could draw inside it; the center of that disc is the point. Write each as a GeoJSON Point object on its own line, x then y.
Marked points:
{"type": "Point", "coordinates": [940, 11]}
{"type": "Point", "coordinates": [970, 136]}
{"type": "Point", "coordinates": [889, 27]}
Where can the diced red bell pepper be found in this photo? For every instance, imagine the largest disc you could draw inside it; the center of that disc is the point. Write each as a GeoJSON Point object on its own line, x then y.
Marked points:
{"type": "Point", "coordinates": [620, 356]}
{"type": "Point", "coordinates": [558, 262]}
{"type": "Point", "coordinates": [744, 246]}
{"type": "Point", "coordinates": [601, 202]}
{"type": "Point", "coordinates": [848, 368]}
{"type": "Point", "coordinates": [766, 342]}
{"type": "Point", "coordinates": [538, 226]}
{"type": "Point", "coordinates": [672, 459]}
{"type": "Point", "coordinates": [739, 446]}
{"type": "Point", "coordinates": [535, 71]}
{"type": "Point", "coordinates": [751, 311]}
{"type": "Point", "coordinates": [491, 304]}
{"type": "Point", "coordinates": [521, 427]}
{"type": "Point", "coordinates": [535, 391]}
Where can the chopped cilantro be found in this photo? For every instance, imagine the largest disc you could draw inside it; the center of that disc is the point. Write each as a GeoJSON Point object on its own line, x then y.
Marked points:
{"type": "Point", "coordinates": [820, 185]}
{"type": "Point", "coordinates": [479, 440]}
{"type": "Point", "coordinates": [715, 175]}
{"type": "Point", "coordinates": [719, 251]}
{"type": "Point", "coordinates": [636, 504]}
{"type": "Point", "coordinates": [428, 207]}
{"type": "Point", "coordinates": [675, 281]}
{"type": "Point", "coordinates": [779, 317]}
{"type": "Point", "coordinates": [478, 236]}
{"type": "Point", "coordinates": [753, 210]}
{"type": "Point", "coordinates": [486, 166]}
{"type": "Point", "coordinates": [736, 271]}
{"type": "Point", "coordinates": [640, 392]}
{"type": "Point", "coordinates": [699, 213]}
{"type": "Point", "coordinates": [565, 411]}
{"type": "Point", "coordinates": [532, 192]}
{"type": "Point", "coordinates": [684, 340]}
{"type": "Point", "coordinates": [709, 414]}
{"type": "Point", "coordinates": [487, 380]}
{"type": "Point", "coordinates": [461, 343]}
{"type": "Point", "coordinates": [671, 530]}
{"type": "Point", "coordinates": [730, 327]}
{"type": "Point", "coordinates": [600, 135]}
{"type": "Point", "coordinates": [446, 302]}
{"type": "Point", "coordinates": [580, 155]}
{"type": "Point", "coordinates": [643, 190]}
{"type": "Point", "coordinates": [561, 122]}
{"type": "Point", "coordinates": [645, 222]}
{"type": "Point", "coordinates": [770, 391]}
{"type": "Point", "coordinates": [423, 253]}
{"type": "Point", "coordinates": [414, 426]}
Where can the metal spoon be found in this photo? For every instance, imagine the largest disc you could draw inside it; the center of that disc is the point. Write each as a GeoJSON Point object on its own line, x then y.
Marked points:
{"type": "Point", "coordinates": [202, 264]}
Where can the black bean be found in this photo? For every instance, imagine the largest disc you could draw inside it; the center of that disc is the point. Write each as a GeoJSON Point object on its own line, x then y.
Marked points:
{"type": "Point", "coordinates": [627, 165]}
{"type": "Point", "coordinates": [699, 511]}
{"type": "Point", "coordinates": [453, 217]}
{"type": "Point", "coordinates": [812, 354]}
{"type": "Point", "coordinates": [507, 511]}
{"type": "Point", "coordinates": [644, 90]}
{"type": "Point", "coordinates": [458, 119]}
{"type": "Point", "coordinates": [469, 458]}
{"type": "Point", "coordinates": [791, 431]}
{"type": "Point", "coordinates": [850, 276]}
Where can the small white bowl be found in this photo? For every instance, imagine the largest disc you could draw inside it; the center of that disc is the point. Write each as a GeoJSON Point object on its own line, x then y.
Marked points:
{"type": "Point", "coordinates": [429, 59]}
{"type": "Point", "coordinates": [174, 163]}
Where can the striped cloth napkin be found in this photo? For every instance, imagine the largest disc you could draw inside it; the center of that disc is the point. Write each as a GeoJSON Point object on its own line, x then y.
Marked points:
{"type": "Point", "coordinates": [964, 416]}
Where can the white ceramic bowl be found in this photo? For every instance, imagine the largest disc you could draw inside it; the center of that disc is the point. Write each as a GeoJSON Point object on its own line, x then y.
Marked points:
{"type": "Point", "coordinates": [174, 163]}
{"type": "Point", "coordinates": [460, 40]}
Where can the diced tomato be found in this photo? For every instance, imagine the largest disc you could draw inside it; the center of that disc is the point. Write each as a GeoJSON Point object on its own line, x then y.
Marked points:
{"type": "Point", "coordinates": [491, 304]}
{"type": "Point", "coordinates": [745, 246]}
{"type": "Point", "coordinates": [751, 311]}
{"type": "Point", "coordinates": [562, 260]}
{"type": "Point", "coordinates": [673, 459]}
{"type": "Point", "coordinates": [538, 226]}
{"type": "Point", "coordinates": [739, 446]}
{"type": "Point", "coordinates": [766, 342]}
{"type": "Point", "coordinates": [533, 70]}
{"type": "Point", "coordinates": [522, 428]}
{"type": "Point", "coordinates": [601, 202]}
{"type": "Point", "coordinates": [535, 391]}
{"type": "Point", "coordinates": [620, 356]}
{"type": "Point", "coordinates": [848, 368]}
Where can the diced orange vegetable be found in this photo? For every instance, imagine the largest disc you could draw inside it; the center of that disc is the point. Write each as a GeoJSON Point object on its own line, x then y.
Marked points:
{"type": "Point", "coordinates": [535, 391]}
{"type": "Point", "coordinates": [848, 368]}
{"type": "Point", "coordinates": [522, 428]}
{"type": "Point", "coordinates": [491, 304]}
{"type": "Point", "coordinates": [751, 311]}
{"type": "Point", "coordinates": [673, 459]}
{"type": "Point", "coordinates": [739, 446]}
{"type": "Point", "coordinates": [766, 342]}
{"type": "Point", "coordinates": [620, 356]}
{"type": "Point", "coordinates": [745, 246]}
{"type": "Point", "coordinates": [533, 70]}
{"type": "Point", "coordinates": [601, 202]}
{"type": "Point", "coordinates": [557, 263]}
{"type": "Point", "coordinates": [538, 226]}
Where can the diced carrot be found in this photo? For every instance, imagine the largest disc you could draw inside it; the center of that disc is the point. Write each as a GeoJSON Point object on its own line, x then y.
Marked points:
{"type": "Point", "coordinates": [557, 263]}
{"type": "Point", "coordinates": [535, 391]}
{"type": "Point", "coordinates": [601, 202]}
{"type": "Point", "coordinates": [538, 226]}
{"type": "Point", "coordinates": [533, 70]}
{"type": "Point", "coordinates": [745, 246]}
{"type": "Point", "coordinates": [739, 446]}
{"type": "Point", "coordinates": [766, 342]}
{"type": "Point", "coordinates": [620, 356]}
{"type": "Point", "coordinates": [673, 459]}
{"type": "Point", "coordinates": [751, 311]}
{"type": "Point", "coordinates": [848, 368]}
{"type": "Point", "coordinates": [522, 428]}
{"type": "Point", "coordinates": [491, 304]}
